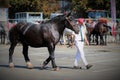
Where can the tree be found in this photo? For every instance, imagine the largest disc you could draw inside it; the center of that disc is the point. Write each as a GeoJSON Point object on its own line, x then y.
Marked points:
{"type": "Point", "coordinates": [49, 6]}
{"type": "Point", "coordinates": [24, 6]}
{"type": "Point", "coordinates": [45, 6]}
{"type": "Point", "coordinates": [79, 7]}
{"type": "Point", "coordinates": [4, 3]}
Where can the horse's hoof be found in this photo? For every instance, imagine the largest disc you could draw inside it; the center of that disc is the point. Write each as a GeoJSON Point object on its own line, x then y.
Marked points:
{"type": "Point", "coordinates": [29, 65]}
{"type": "Point", "coordinates": [11, 65]}
{"type": "Point", "coordinates": [42, 66]}
{"type": "Point", "coordinates": [56, 69]}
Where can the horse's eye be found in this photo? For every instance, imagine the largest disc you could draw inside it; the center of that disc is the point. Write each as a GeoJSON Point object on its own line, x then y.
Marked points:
{"type": "Point", "coordinates": [74, 25]}
{"type": "Point", "coordinates": [69, 19]}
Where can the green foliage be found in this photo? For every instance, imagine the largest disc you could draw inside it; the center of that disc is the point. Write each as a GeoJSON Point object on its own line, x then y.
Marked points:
{"type": "Point", "coordinates": [45, 6]}
{"type": "Point", "coordinates": [80, 6]}
{"type": "Point", "coordinates": [48, 6]}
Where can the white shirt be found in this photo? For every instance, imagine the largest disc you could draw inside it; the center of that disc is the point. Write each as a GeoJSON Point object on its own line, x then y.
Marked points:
{"type": "Point", "coordinates": [78, 36]}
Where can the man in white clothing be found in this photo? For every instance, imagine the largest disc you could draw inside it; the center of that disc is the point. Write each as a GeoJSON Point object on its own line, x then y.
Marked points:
{"type": "Point", "coordinates": [79, 43]}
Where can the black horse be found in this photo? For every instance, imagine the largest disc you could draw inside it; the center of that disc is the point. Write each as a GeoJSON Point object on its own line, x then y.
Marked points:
{"type": "Point", "coordinates": [101, 29]}
{"type": "Point", "coordinates": [47, 34]}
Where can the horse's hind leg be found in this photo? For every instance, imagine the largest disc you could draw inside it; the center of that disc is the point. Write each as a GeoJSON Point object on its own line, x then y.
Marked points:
{"type": "Point", "coordinates": [0, 38]}
{"type": "Point", "coordinates": [89, 38]}
{"type": "Point", "coordinates": [11, 51]}
{"type": "Point", "coordinates": [25, 53]}
{"type": "Point", "coordinates": [96, 39]}
{"type": "Point", "coordinates": [101, 40]}
{"type": "Point", "coordinates": [51, 58]}
{"type": "Point", "coordinates": [4, 38]}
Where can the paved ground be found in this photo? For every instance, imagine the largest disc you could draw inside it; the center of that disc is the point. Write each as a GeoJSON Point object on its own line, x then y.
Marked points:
{"type": "Point", "coordinates": [106, 61]}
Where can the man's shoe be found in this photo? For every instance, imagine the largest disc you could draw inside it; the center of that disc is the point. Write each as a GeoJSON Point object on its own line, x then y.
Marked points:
{"type": "Point", "coordinates": [77, 67]}
{"type": "Point", "coordinates": [88, 66]}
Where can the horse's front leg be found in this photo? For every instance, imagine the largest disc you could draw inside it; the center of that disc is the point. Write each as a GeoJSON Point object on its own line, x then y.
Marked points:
{"type": "Point", "coordinates": [45, 62]}
{"type": "Point", "coordinates": [51, 57]}
{"type": "Point", "coordinates": [54, 66]}
{"type": "Point", "coordinates": [25, 53]}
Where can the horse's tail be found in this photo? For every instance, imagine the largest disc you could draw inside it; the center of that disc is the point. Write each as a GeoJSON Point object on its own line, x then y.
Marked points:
{"type": "Point", "coordinates": [105, 25]}
{"type": "Point", "coordinates": [109, 27]}
{"type": "Point", "coordinates": [14, 33]}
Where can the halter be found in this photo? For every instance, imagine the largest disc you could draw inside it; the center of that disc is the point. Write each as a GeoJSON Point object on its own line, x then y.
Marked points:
{"type": "Point", "coordinates": [69, 22]}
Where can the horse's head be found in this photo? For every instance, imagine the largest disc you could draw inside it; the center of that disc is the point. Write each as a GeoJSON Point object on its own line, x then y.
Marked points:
{"type": "Point", "coordinates": [71, 23]}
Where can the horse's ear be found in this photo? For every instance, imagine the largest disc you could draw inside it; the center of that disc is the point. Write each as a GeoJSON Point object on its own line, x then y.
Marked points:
{"type": "Point", "coordinates": [68, 14]}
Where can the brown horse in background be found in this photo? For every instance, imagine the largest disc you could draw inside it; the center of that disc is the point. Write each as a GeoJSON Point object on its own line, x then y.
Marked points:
{"type": "Point", "coordinates": [99, 30]}
{"type": "Point", "coordinates": [90, 30]}
{"type": "Point", "coordinates": [90, 33]}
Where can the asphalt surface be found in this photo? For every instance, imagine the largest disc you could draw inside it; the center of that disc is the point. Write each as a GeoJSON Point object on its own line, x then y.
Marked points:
{"type": "Point", "coordinates": [105, 61]}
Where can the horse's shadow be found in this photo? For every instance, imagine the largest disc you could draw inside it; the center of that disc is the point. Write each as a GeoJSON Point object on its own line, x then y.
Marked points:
{"type": "Point", "coordinates": [17, 66]}
{"type": "Point", "coordinates": [36, 67]}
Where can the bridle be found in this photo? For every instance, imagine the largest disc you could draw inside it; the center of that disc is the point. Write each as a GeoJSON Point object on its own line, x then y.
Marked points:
{"type": "Point", "coordinates": [70, 22]}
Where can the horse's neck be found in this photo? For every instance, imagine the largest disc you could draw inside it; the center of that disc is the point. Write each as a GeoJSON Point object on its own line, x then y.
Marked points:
{"type": "Point", "coordinates": [61, 29]}
{"type": "Point", "coordinates": [59, 24]}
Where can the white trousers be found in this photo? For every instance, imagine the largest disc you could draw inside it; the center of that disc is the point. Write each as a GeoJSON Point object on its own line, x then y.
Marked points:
{"type": "Point", "coordinates": [80, 53]}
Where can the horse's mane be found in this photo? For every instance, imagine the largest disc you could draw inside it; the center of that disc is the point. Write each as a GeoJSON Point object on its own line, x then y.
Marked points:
{"type": "Point", "coordinates": [57, 18]}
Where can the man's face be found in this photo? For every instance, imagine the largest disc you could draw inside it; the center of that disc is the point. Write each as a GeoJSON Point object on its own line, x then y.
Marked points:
{"type": "Point", "coordinates": [79, 23]}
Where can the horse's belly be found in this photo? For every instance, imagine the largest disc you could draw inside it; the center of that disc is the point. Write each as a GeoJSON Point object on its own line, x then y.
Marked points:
{"type": "Point", "coordinates": [36, 45]}
{"type": "Point", "coordinates": [34, 42]}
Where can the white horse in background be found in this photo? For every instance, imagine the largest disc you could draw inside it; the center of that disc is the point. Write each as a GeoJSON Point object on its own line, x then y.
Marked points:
{"type": "Point", "coordinates": [66, 38]}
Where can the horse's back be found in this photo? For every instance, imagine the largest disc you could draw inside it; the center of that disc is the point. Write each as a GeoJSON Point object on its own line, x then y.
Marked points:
{"type": "Point", "coordinates": [34, 35]}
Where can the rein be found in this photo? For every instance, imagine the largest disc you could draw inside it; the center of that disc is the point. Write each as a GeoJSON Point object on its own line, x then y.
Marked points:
{"type": "Point", "coordinates": [24, 32]}
{"type": "Point", "coordinates": [27, 29]}
{"type": "Point", "coordinates": [69, 22]}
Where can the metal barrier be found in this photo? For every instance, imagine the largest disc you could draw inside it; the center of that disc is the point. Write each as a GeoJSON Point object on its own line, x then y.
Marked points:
{"type": "Point", "coordinates": [11, 22]}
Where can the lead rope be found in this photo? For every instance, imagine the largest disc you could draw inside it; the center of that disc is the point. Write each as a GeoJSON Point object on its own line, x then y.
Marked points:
{"type": "Point", "coordinates": [81, 34]}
